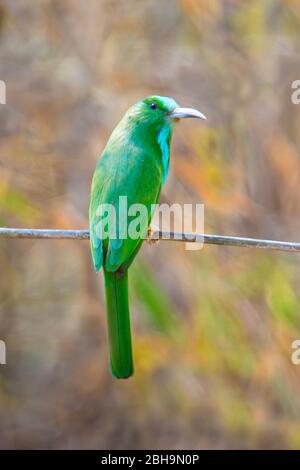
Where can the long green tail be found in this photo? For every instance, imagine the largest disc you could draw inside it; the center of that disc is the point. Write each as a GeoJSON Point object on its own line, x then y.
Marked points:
{"type": "Point", "coordinates": [118, 319]}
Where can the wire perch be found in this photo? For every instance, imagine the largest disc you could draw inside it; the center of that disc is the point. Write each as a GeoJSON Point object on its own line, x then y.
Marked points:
{"type": "Point", "coordinates": [156, 235]}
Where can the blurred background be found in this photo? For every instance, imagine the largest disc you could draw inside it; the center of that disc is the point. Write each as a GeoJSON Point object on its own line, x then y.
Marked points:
{"type": "Point", "coordinates": [212, 329]}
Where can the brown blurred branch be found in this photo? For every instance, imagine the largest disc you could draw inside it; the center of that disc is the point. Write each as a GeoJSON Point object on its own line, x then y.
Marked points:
{"type": "Point", "coordinates": [157, 235]}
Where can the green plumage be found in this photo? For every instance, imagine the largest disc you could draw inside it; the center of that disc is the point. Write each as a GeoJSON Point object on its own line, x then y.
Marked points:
{"type": "Point", "coordinates": [116, 288]}
{"type": "Point", "coordinates": [134, 164]}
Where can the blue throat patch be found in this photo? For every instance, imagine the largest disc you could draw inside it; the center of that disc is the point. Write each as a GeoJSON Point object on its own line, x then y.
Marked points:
{"type": "Point", "coordinates": [163, 140]}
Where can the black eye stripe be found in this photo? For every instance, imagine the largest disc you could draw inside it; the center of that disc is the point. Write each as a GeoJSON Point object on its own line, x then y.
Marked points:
{"type": "Point", "coordinates": [153, 106]}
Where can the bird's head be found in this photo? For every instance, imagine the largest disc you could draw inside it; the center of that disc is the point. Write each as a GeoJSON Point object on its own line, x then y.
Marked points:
{"type": "Point", "coordinates": [149, 124]}
{"type": "Point", "coordinates": [157, 111]}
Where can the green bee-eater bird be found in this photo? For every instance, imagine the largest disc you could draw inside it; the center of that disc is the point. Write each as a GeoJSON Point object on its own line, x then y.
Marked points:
{"type": "Point", "coordinates": [133, 164]}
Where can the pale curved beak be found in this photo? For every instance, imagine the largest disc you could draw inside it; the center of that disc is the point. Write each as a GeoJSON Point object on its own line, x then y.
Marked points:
{"type": "Point", "coordinates": [180, 113]}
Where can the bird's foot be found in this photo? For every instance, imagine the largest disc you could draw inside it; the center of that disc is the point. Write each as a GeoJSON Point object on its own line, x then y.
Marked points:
{"type": "Point", "coordinates": [152, 235]}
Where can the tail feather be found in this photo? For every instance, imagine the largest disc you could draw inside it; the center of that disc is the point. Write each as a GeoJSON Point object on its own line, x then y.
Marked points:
{"type": "Point", "coordinates": [118, 319]}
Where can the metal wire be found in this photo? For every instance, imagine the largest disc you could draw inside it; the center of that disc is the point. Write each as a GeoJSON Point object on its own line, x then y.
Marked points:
{"type": "Point", "coordinates": [157, 235]}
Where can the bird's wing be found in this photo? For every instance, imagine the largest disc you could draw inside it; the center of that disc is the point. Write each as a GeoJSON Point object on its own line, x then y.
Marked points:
{"type": "Point", "coordinates": [101, 180]}
{"type": "Point", "coordinates": [137, 175]}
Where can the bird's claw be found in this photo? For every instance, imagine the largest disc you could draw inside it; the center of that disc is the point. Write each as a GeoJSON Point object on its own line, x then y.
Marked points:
{"type": "Point", "coordinates": [152, 235]}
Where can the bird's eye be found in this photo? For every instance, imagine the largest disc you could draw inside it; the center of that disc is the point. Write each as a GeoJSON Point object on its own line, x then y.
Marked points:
{"type": "Point", "coordinates": [153, 105]}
